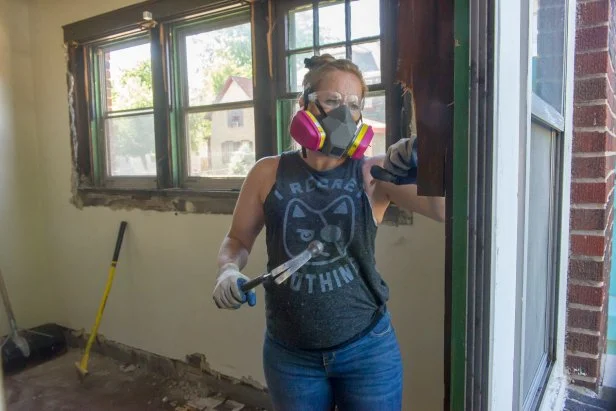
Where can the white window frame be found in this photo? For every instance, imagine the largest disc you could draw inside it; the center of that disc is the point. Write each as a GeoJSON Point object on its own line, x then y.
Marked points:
{"type": "Point", "coordinates": [513, 102]}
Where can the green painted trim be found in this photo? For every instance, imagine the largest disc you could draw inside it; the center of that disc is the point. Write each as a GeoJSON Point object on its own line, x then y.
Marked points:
{"type": "Point", "coordinates": [95, 123]}
{"type": "Point", "coordinates": [283, 116]}
{"type": "Point", "coordinates": [460, 204]}
{"type": "Point", "coordinates": [175, 113]}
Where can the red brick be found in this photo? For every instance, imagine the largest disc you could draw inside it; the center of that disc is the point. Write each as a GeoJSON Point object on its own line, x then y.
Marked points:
{"type": "Point", "coordinates": [593, 193]}
{"type": "Point", "coordinates": [590, 89]}
{"type": "Point", "coordinates": [593, 142]}
{"type": "Point", "coordinates": [587, 367]}
{"type": "Point", "coordinates": [589, 14]}
{"type": "Point", "coordinates": [587, 295]}
{"type": "Point", "coordinates": [584, 319]}
{"type": "Point", "coordinates": [588, 270]}
{"type": "Point", "coordinates": [588, 219]}
{"type": "Point", "coordinates": [583, 343]}
{"type": "Point", "coordinates": [588, 245]}
{"type": "Point", "coordinates": [591, 63]}
{"type": "Point", "coordinates": [592, 167]}
{"type": "Point", "coordinates": [590, 116]}
{"type": "Point", "coordinates": [591, 38]}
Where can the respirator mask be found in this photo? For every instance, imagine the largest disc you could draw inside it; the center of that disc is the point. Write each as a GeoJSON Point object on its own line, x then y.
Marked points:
{"type": "Point", "coordinates": [334, 132]}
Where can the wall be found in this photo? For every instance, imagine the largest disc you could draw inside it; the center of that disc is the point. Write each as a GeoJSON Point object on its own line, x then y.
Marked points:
{"type": "Point", "coordinates": [161, 299]}
{"type": "Point", "coordinates": [22, 252]}
{"type": "Point", "coordinates": [592, 195]}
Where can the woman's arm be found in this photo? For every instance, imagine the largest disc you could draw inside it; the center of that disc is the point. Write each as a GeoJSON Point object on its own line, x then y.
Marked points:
{"type": "Point", "coordinates": [404, 195]}
{"type": "Point", "coordinates": [248, 219]}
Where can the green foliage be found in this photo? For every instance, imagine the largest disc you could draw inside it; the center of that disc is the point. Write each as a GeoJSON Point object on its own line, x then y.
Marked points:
{"type": "Point", "coordinates": [134, 88]}
{"type": "Point", "coordinates": [242, 160]}
{"type": "Point", "coordinates": [199, 129]}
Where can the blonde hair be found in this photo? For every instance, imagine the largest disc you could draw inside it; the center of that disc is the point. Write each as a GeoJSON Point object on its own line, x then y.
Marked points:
{"type": "Point", "coordinates": [319, 66]}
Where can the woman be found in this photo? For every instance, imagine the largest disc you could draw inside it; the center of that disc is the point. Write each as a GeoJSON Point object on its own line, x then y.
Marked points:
{"type": "Point", "coordinates": [329, 340]}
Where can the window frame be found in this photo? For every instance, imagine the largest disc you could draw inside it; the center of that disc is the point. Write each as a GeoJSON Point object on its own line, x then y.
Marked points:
{"type": "Point", "coordinates": [179, 33]}
{"type": "Point", "coordinates": [101, 157]}
{"type": "Point", "coordinates": [544, 115]}
{"type": "Point", "coordinates": [171, 189]}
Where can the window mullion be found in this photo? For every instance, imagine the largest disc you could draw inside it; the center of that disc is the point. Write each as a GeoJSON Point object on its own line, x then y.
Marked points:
{"type": "Point", "coordinates": [264, 86]}
{"type": "Point", "coordinates": [97, 124]}
{"type": "Point", "coordinates": [165, 179]}
{"type": "Point", "coordinates": [347, 29]}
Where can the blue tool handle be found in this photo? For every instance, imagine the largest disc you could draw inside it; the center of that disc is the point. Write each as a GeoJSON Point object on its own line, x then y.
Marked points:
{"type": "Point", "coordinates": [246, 287]}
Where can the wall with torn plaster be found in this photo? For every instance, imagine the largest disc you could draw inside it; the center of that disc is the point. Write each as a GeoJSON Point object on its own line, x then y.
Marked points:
{"type": "Point", "coordinates": [161, 298]}
{"type": "Point", "coordinates": [22, 252]}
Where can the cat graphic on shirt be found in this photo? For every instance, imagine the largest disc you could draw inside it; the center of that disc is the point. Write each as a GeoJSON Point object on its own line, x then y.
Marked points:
{"type": "Point", "coordinates": [333, 225]}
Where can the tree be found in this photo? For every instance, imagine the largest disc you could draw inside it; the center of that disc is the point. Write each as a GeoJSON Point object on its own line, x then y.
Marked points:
{"type": "Point", "coordinates": [242, 160]}
{"type": "Point", "coordinates": [133, 136]}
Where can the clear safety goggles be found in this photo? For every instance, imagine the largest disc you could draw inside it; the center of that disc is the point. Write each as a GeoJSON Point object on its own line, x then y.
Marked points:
{"type": "Point", "coordinates": [331, 100]}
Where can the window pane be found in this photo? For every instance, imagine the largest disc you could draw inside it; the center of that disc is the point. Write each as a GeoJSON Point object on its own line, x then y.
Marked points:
{"type": "Point", "coordinates": [332, 27]}
{"type": "Point", "coordinates": [548, 47]}
{"type": "Point", "coordinates": [128, 78]}
{"type": "Point", "coordinates": [219, 66]}
{"type": "Point", "coordinates": [300, 29]}
{"type": "Point", "coordinates": [297, 70]}
{"type": "Point", "coordinates": [130, 142]}
{"type": "Point", "coordinates": [539, 274]}
{"type": "Point", "coordinates": [374, 115]}
{"type": "Point", "coordinates": [336, 52]}
{"type": "Point", "coordinates": [365, 18]}
{"type": "Point", "coordinates": [367, 56]}
{"type": "Point", "coordinates": [219, 148]}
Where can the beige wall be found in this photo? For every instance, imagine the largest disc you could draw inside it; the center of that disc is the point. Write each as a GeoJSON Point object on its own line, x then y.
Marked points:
{"type": "Point", "coordinates": [22, 252]}
{"type": "Point", "coordinates": [161, 300]}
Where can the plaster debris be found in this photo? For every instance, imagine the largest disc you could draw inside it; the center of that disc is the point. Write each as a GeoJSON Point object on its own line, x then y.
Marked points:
{"type": "Point", "coordinates": [234, 405]}
{"type": "Point", "coordinates": [128, 368]}
{"type": "Point", "coordinates": [206, 403]}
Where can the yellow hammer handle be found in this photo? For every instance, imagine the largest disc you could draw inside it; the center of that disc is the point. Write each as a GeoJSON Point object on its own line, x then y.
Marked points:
{"type": "Point", "coordinates": [99, 315]}
{"type": "Point", "coordinates": [101, 308]}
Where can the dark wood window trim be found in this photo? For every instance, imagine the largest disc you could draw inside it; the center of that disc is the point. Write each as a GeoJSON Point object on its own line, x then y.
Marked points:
{"type": "Point", "coordinates": [268, 81]}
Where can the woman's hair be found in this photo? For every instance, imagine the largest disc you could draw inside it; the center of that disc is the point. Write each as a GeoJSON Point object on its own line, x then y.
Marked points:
{"type": "Point", "coordinates": [319, 66]}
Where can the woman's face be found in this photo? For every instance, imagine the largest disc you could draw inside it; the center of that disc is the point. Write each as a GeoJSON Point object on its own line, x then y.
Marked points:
{"type": "Point", "coordinates": [346, 85]}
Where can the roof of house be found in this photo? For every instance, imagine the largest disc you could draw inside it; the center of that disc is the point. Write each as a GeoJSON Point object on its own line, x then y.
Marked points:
{"type": "Point", "coordinates": [244, 83]}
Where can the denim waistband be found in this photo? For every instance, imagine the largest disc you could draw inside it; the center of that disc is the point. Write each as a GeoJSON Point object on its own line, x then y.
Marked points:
{"type": "Point", "coordinates": [378, 315]}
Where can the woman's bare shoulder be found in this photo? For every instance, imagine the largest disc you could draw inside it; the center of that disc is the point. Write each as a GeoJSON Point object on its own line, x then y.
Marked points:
{"type": "Point", "coordinates": [262, 176]}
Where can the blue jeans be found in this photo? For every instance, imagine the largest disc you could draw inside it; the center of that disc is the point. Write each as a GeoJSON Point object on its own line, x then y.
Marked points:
{"type": "Point", "coordinates": [363, 375]}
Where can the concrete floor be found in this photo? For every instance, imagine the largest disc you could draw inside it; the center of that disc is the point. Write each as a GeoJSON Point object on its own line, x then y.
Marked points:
{"type": "Point", "coordinates": [110, 385]}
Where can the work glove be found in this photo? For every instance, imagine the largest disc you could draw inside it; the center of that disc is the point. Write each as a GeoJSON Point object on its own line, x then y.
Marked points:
{"type": "Point", "coordinates": [227, 293]}
{"type": "Point", "coordinates": [400, 165]}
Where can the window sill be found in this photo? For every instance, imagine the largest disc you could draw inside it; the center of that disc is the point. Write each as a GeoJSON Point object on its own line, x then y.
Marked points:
{"type": "Point", "coordinates": [190, 201]}
{"type": "Point", "coordinates": [173, 200]}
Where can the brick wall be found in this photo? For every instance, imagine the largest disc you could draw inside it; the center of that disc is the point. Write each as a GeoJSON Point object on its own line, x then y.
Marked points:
{"type": "Point", "coordinates": [592, 190]}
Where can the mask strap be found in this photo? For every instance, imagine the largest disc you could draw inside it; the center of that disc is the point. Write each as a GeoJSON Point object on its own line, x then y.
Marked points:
{"type": "Point", "coordinates": [320, 107]}
{"type": "Point", "coordinates": [306, 102]}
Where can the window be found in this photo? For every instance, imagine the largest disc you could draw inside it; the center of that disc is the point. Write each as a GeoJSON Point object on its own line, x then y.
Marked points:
{"type": "Point", "coordinates": [235, 118]}
{"type": "Point", "coordinates": [217, 94]}
{"type": "Point", "coordinates": [125, 120]}
{"type": "Point", "coordinates": [184, 103]}
{"type": "Point", "coordinates": [537, 307]}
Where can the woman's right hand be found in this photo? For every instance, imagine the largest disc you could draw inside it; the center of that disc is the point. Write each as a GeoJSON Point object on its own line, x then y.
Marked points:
{"type": "Point", "coordinates": [227, 293]}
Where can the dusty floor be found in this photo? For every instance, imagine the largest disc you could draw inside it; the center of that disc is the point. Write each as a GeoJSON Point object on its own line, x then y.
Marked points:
{"type": "Point", "coordinates": [111, 385]}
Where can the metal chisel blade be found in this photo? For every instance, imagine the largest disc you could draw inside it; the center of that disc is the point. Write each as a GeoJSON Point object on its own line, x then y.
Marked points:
{"type": "Point", "coordinates": [314, 248]}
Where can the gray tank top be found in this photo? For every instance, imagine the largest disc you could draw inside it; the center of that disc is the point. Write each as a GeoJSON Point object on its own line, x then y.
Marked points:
{"type": "Point", "coordinates": [336, 296]}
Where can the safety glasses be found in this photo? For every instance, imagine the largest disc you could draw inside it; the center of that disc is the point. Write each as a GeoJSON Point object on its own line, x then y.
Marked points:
{"type": "Point", "coordinates": [331, 100]}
